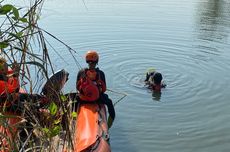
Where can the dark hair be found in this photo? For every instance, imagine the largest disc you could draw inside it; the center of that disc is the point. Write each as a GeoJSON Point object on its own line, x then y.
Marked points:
{"type": "Point", "coordinates": [157, 78]}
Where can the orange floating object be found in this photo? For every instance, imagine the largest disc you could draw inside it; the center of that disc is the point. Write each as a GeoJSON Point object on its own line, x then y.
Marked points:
{"type": "Point", "coordinates": [9, 131]}
{"type": "Point", "coordinates": [8, 128]}
{"type": "Point", "coordinates": [91, 130]}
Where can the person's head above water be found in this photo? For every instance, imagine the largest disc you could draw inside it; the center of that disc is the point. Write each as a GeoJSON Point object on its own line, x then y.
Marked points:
{"type": "Point", "coordinates": [157, 78]}
{"type": "Point", "coordinates": [92, 58]}
{"type": "Point", "coordinates": [154, 80]}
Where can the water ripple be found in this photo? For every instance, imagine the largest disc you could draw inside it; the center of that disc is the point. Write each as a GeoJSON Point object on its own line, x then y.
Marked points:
{"type": "Point", "coordinates": [187, 41]}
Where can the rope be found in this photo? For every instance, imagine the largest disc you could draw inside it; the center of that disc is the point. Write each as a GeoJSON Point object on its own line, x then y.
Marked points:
{"type": "Point", "coordinates": [121, 93]}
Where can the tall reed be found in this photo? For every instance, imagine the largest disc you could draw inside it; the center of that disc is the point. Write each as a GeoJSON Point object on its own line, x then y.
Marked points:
{"type": "Point", "coordinates": [23, 45]}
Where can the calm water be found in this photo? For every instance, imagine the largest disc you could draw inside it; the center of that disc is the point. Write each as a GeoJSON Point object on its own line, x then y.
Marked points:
{"type": "Point", "coordinates": [188, 41]}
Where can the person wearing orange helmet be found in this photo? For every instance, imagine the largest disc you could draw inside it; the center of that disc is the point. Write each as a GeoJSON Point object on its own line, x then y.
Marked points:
{"type": "Point", "coordinates": [9, 83]}
{"type": "Point", "coordinates": [10, 92]}
{"type": "Point", "coordinates": [91, 84]}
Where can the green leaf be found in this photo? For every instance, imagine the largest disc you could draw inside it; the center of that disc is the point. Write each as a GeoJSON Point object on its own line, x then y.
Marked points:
{"type": "Point", "coordinates": [57, 121]}
{"type": "Point", "coordinates": [6, 9]}
{"type": "Point", "coordinates": [16, 13]}
{"type": "Point", "coordinates": [53, 108]}
{"type": "Point", "coordinates": [19, 34]}
{"type": "Point", "coordinates": [24, 20]}
{"type": "Point", "coordinates": [55, 131]}
{"type": "Point", "coordinates": [46, 130]}
{"type": "Point", "coordinates": [7, 116]}
{"type": "Point", "coordinates": [36, 64]}
{"type": "Point", "coordinates": [63, 98]}
{"type": "Point", "coordinates": [14, 18]}
{"type": "Point", "coordinates": [74, 114]}
{"type": "Point", "coordinates": [4, 44]}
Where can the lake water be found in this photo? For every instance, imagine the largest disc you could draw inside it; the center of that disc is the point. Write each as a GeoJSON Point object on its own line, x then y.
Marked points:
{"type": "Point", "coordinates": [187, 41]}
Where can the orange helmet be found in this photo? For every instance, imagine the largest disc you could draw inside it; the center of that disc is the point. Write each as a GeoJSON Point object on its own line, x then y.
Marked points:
{"type": "Point", "coordinates": [91, 56]}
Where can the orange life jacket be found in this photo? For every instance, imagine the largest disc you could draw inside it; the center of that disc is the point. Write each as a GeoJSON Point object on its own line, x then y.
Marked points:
{"type": "Point", "coordinates": [90, 85]}
{"type": "Point", "coordinates": [95, 76]}
{"type": "Point", "coordinates": [157, 87]}
{"type": "Point", "coordinates": [9, 86]}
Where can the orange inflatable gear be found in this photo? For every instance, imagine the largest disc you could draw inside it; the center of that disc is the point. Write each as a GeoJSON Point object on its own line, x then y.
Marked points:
{"type": "Point", "coordinates": [92, 56]}
{"type": "Point", "coordinates": [9, 86]}
{"type": "Point", "coordinates": [9, 132]}
{"type": "Point", "coordinates": [88, 90]}
{"type": "Point", "coordinates": [91, 131]}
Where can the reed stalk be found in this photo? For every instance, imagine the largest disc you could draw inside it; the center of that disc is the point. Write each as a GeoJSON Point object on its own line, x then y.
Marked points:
{"type": "Point", "coordinates": [24, 46]}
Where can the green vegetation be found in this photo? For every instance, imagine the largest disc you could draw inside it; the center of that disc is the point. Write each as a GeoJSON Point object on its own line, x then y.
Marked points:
{"type": "Point", "coordinates": [22, 44]}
